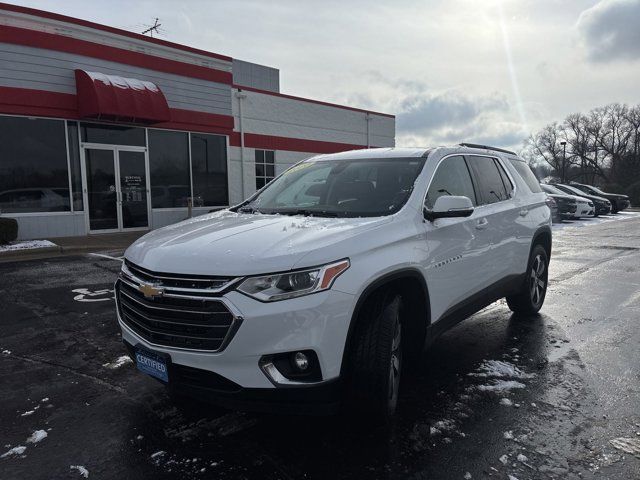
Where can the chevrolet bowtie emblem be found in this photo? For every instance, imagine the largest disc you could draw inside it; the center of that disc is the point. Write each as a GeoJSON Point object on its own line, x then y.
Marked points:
{"type": "Point", "coordinates": [150, 291]}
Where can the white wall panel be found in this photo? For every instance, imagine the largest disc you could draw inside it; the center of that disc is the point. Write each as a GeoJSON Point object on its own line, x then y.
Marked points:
{"type": "Point", "coordinates": [275, 115]}
{"type": "Point", "coordinates": [50, 225]}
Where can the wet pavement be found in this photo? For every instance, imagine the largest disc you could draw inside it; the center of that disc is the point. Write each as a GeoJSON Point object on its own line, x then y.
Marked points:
{"type": "Point", "coordinates": [552, 396]}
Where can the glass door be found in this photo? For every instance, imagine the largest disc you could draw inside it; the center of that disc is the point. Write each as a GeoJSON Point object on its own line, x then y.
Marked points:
{"type": "Point", "coordinates": [102, 194]}
{"type": "Point", "coordinates": [134, 199]}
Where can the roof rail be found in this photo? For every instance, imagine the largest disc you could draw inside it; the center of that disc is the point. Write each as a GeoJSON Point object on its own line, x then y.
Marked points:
{"type": "Point", "coordinates": [487, 147]}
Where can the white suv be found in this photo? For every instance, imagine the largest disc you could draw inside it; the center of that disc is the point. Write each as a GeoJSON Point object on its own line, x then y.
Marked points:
{"type": "Point", "coordinates": [311, 293]}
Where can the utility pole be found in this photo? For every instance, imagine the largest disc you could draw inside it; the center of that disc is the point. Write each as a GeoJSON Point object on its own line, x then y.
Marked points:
{"type": "Point", "coordinates": [152, 28]}
{"type": "Point", "coordinates": [564, 161]}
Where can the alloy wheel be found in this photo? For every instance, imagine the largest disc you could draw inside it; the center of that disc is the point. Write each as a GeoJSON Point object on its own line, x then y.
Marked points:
{"type": "Point", "coordinates": [395, 365]}
{"type": "Point", "coordinates": [538, 279]}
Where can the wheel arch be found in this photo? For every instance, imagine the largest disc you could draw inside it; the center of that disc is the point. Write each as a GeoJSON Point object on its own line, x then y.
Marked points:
{"type": "Point", "coordinates": [543, 237]}
{"type": "Point", "coordinates": [408, 281]}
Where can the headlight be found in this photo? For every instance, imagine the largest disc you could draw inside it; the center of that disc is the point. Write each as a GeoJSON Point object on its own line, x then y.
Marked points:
{"type": "Point", "coordinates": [280, 286]}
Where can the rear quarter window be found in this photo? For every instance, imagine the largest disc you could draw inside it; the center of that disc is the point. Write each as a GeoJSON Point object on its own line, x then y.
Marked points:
{"type": "Point", "coordinates": [527, 175]}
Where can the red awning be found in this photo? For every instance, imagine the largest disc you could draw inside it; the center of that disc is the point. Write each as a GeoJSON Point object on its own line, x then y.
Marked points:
{"type": "Point", "coordinates": [110, 97]}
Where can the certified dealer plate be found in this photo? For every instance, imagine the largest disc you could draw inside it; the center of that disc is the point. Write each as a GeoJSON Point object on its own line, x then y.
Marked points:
{"type": "Point", "coordinates": [152, 364]}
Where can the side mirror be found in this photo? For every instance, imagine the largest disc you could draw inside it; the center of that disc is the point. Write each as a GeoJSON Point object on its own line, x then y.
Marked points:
{"type": "Point", "coordinates": [449, 206]}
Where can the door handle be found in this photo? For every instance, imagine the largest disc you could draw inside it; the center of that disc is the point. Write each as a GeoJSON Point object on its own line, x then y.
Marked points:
{"type": "Point", "coordinates": [523, 212]}
{"type": "Point", "coordinates": [482, 224]}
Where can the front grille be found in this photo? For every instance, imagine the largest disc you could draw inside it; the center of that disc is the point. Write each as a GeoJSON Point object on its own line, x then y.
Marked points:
{"type": "Point", "coordinates": [179, 282]}
{"type": "Point", "coordinates": [175, 320]}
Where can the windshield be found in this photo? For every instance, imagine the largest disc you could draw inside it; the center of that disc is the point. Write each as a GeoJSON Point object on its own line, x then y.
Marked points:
{"type": "Point", "coordinates": [554, 190]}
{"type": "Point", "coordinates": [339, 188]}
{"type": "Point", "coordinates": [595, 190]}
{"type": "Point", "coordinates": [573, 190]}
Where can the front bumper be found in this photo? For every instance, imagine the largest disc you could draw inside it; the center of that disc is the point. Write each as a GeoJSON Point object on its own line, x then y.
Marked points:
{"type": "Point", "coordinates": [584, 210]}
{"type": "Point", "coordinates": [317, 322]}
{"type": "Point", "coordinates": [203, 385]}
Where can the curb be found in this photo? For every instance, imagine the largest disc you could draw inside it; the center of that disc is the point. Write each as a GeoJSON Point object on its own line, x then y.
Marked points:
{"type": "Point", "coordinates": [50, 252]}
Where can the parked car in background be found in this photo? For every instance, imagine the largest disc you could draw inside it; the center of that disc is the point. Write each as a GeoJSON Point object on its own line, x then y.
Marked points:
{"type": "Point", "coordinates": [34, 200]}
{"type": "Point", "coordinates": [618, 201]}
{"type": "Point", "coordinates": [553, 206]}
{"type": "Point", "coordinates": [601, 205]}
{"type": "Point", "coordinates": [320, 286]}
{"type": "Point", "coordinates": [565, 204]}
{"type": "Point", "coordinates": [584, 206]}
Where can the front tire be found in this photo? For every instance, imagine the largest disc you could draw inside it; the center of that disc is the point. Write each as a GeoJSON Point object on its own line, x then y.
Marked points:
{"type": "Point", "coordinates": [376, 362]}
{"type": "Point", "coordinates": [529, 299]}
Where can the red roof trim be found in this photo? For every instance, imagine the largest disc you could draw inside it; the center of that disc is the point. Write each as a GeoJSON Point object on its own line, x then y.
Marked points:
{"type": "Point", "coordinates": [34, 38]}
{"type": "Point", "coordinates": [274, 142]}
{"type": "Point", "coordinates": [85, 23]}
{"type": "Point", "coordinates": [309, 100]}
{"type": "Point", "coordinates": [41, 103]}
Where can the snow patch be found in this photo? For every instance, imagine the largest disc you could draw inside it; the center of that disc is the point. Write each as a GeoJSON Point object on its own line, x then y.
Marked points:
{"type": "Point", "coordinates": [118, 362]}
{"type": "Point", "coordinates": [508, 435]}
{"type": "Point", "coordinates": [467, 476]}
{"type": "Point", "coordinates": [81, 470]}
{"type": "Point", "coordinates": [500, 386]}
{"type": "Point", "coordinates": [19, 450]}
{"type": "Point", "coordinates": [6, 352]}
{"type": "Point", "coordinates": [504, 459]}
{"type": "Point", "coordinates": [506, 402]}
{"type": "Point", "coordinates": [499, 369]}
{"type": "Point", "coordinates": [628, 445]}
{"type": "Point", "coordinates": [37, 436]}
{"type": "Point", "coordinates": [27, 245]}
{"type": "Point", "coordinates": [27, 413]}
{"type": "Point", "coordinates": [522, 458]}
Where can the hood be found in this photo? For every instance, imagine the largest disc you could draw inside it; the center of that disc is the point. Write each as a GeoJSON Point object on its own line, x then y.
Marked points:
{"type": "Point", "coordinates": [561, 197]}
{"type": "Point", "coordinates": [596, 198]}
{"type": "Point", "coordinates": [227, 243]}
{"type": "Point", "coordinates": [619, 196]}
{"type": "Point", "coordinates": [580, 198]}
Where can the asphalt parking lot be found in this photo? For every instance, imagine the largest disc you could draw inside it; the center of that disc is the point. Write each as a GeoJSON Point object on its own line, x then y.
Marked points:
{"type": "Point", "coordinates": [553, 396]}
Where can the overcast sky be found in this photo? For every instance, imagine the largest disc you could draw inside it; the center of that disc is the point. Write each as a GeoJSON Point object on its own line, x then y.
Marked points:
{"type": "Point", "coordinates": [450, 70]}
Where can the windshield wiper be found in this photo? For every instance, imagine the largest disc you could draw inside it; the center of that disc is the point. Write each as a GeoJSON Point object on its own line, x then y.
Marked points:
{"type": "Point", "coordinates": [248, 209]}
{"type": "Point", "coordinates": [307, 212]}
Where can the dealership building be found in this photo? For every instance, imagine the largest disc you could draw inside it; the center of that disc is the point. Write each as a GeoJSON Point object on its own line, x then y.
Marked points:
{"type": "Point", "coordinates": [103, 130]}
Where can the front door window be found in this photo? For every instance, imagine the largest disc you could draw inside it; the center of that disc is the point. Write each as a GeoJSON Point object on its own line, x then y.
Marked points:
{"type": "Point", "coordinates": [133, 185]}
{"type": "Point", "coordinates": [101, 189]}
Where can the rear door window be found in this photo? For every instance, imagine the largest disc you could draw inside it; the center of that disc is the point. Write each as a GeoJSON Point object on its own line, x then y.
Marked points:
{"type": "Point", "coordinates": [451, 178]}
{"type": "Point", "coordinates": [490, 185]}
{"type": "Point", "coordinates": [506, 181]}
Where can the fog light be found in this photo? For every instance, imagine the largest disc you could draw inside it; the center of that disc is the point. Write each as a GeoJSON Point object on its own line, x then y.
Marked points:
{"type": "Point", "coordinates": [301, 361]}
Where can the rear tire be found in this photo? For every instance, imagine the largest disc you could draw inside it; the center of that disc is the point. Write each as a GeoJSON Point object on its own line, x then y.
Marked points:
{"type": "Point", "coordinates": [376, 358]}
{"type": "Point", "coordinates": [534, 288]}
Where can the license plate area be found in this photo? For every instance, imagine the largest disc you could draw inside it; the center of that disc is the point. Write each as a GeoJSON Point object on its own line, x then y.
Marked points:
{"type": "Point", "coordinates": [152, 363]}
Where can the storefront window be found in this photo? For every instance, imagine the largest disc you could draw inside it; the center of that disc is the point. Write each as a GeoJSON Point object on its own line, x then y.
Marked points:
{"type": "Point", "coordinates": [169, 169]}
{"type": "Point", "coordinates": [209, 164]}
{"type": "Point", "coordinates": [74, 162]}
{"type": "Point", "coordinates": [112, 134]}
{"type": "Point", "coordinates": [33, 166]}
